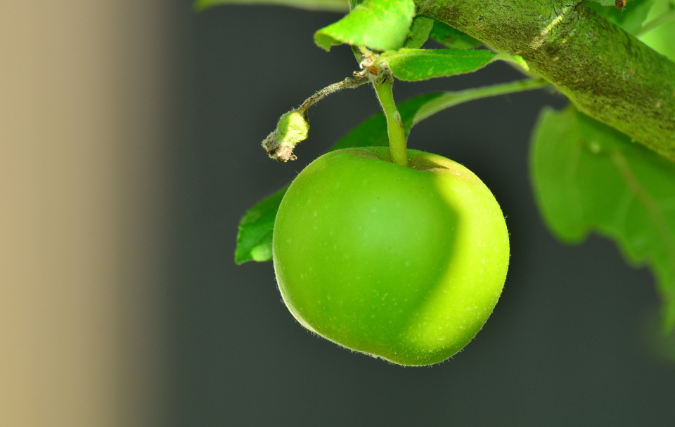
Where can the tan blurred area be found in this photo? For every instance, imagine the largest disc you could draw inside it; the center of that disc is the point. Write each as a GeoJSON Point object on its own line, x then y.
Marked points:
{"type": "Point", "coordinates": [82, 126]}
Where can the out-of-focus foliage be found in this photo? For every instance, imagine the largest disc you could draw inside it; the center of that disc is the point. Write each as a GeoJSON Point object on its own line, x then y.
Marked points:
{"type": "Point", "coordinates": [589, 177]}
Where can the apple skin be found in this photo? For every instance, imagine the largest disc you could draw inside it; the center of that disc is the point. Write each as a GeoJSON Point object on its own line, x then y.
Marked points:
{"type": "Point", "coordinates": [401, 263]}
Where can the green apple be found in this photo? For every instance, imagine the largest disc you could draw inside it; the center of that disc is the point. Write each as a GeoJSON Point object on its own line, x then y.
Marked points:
{"type": "Point", "coordinates": [401, 263]}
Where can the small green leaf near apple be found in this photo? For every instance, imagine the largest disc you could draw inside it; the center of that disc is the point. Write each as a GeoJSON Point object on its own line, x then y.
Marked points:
{"type": "Point", "coordinates": [402, 263]}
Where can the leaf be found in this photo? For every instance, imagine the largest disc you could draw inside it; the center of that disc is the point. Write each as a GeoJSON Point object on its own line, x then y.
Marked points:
{"type": "Point", "coordinates": [254, 240]}
{"type": "Point", "coordinates": [661, 40]}
{"type": "Point", "coordinates": [589, 177]}
{"type": "Point", "coordinates": [325, 5]}
{"type": "Point", "coordinates": [451, 37]}
{"type": "Point", "coordinates": [660, 25]}
{"type": "Point", "coordinates": [419, 32]}
{"type": "Point", "coordinates": [661, 344]}
{"type": "Point", "coordinates": [377, 24]}
{"type": "Point", "coordinates": [630, 18]}
{"type": "Point", "coordinates": [423, 64]}
{"type": "Point", "coordinates": [373, 131]}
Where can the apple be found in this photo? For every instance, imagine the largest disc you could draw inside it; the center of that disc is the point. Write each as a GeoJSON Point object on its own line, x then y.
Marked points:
{"type": "Point", "coordinates": [401, 263]}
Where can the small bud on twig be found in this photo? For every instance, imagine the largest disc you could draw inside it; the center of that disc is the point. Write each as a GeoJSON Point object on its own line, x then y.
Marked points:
{"type": "Point", "coordinates": [291, 130]}
{"type": "Point", "coordinates": [293, 127]}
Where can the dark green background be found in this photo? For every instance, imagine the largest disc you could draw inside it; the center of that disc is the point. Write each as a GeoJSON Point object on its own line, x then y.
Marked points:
{"type": "Point", "coordinates": [563, 347]}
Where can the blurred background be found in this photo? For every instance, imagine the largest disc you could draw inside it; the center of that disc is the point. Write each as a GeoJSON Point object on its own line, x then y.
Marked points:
{"type": "Point", "coordinates": [129, 149]}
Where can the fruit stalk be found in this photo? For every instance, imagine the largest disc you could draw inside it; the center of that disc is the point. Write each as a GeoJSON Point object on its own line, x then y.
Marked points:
{"type": "Point", "coordinates": [397, 138]}
{"type": "Point", "coordinates": [348, 83]}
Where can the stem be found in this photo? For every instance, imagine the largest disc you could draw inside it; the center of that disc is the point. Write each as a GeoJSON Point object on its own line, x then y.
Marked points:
{"type": "Point", "coordinates": [348, 83]}
{"type": "Point", "coordinates": [450, 99]}
{"type": "Point", "coordinates": [397, 140]}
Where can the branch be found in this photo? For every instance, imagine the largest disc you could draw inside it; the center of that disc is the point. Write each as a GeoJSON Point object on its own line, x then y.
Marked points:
{"type": "Point", "coordinates": [607, 73]}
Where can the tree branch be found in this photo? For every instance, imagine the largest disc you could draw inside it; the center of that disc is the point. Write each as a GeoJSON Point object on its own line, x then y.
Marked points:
{"type": "Point", "coordinates": [607, 73]}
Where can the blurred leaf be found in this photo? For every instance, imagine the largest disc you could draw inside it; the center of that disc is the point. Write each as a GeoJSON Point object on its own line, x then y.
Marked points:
{"type": "Point", "coordinates": [660, 25]}
{"type": "Point", "coordinates": [662, 40]}
{"type": "Point", "coordinates": [327, 5]}
{"type": "Point", "coordinates": [254, 241]}
{"type": "Point", "coordinates": [660, 344]}
{"type": "Point", "coordinates": [451, 37]}
{"type": "Point", "coordinates": [423, 64]}
{"type": "Point", "coordinates": [419, 32]}
{"type": "Point", "coordinates": [377, 24]}
{"type": "Point", "coordinates": [630, 18]}
{"type": "Point", "coordinates": [589, 177]}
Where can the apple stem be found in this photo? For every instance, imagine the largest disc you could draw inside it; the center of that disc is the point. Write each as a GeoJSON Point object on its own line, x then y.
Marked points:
{"type": "Point", "coordinates": [348, 83]}
{"type": "Point", "coordinates": [397, 138]}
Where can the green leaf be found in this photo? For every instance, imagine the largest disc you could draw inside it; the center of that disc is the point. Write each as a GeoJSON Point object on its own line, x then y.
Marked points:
{"type": "Point", "coordinates": [419, 32]}
{"type": "Point", "coordinates": [254, 241]}
{"type": "Point", "coordinates": [451, 37]}
{"type": "Point", "coordinates": [325, 5]}
{"type": "Point", "coordinates": [377, 24]}
{"type": "Point", "coordinates": [589, 177]}
{"type": "Point", "coordinates": [373, 131]}
{"type": "Point", "coordinates": [630, 18]}
{"type": "Point", "coordinates": [660, 343]}
{"type": "Point", "coordinates": [660, 27]}
{"type": "Point", "coordinates": [423, 64]}
{"type": "Point", "coordinates": [661, 40]}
